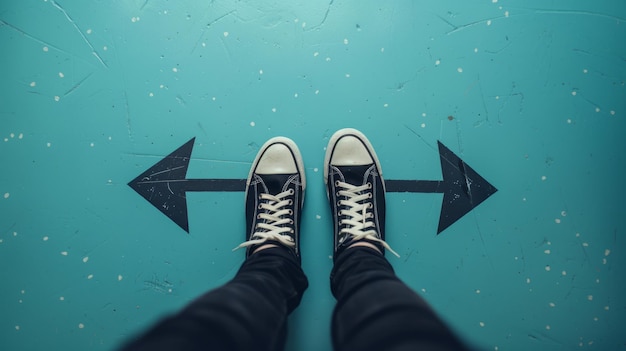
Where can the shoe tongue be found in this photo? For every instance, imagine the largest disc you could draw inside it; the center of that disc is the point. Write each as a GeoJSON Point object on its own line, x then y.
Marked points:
{"type": "Point", "coordinates": [354, 175]}
{"type": "Point", "coordinates": [274, 182]}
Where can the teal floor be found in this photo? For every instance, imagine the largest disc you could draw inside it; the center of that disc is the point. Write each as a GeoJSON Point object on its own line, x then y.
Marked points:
{"type": "Point", "coordinates": [530, 94]}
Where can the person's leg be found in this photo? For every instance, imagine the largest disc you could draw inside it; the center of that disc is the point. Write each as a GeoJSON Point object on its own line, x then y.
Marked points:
{"type": "Point", "coordinates": [375, 310]}
{"type": "Point", "coordinates": [250, 312]}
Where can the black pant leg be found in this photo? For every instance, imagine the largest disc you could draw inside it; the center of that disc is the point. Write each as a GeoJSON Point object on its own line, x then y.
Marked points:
{"type": "Point", "coordinates": [376, 311]}
{"type": "Point", "coordinates": [248, 313]}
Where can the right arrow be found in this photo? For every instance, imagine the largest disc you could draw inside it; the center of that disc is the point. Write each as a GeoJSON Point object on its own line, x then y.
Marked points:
{"type": "Point", "coordinates": [462, 188]}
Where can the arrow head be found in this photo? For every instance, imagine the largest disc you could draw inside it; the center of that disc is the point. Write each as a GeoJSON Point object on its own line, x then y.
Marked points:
{"type": "Point", "coordinates": [163, 184]}
{"type": "Point", "coordinates": [464, 189]}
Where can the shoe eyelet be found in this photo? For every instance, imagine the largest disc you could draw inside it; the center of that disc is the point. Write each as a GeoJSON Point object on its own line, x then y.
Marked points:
{"type": "Point", "coordinates": [258, 216]}
{"type": "Point", "coordinates": [291, 221]}
{"type": "Point", "coordinates": [336, 183]}
{"type": "Point", "coordinates": [260, 207]}
{"type": "Point", "coordinates": [369, 195]}
{"type": "Point", "coordinates": [369, 185]}
{"type": "Point", "coordinates": [291, 231]}
{"type": "Point", "coordinates": [370, 205]}
{"type": "Point", "coordinates": [290, 212]}
{"type": "Point", "coordinates": [291, 191]}
{"type": "Point", "coordinates": [290, 202]}
{"type": "Point", "coordinates": [337, 194]}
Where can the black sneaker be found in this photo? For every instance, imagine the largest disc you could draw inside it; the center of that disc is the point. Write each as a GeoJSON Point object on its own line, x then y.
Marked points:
{"type": "Point", "coordinates": [356, 191]}
{"type": "Point", "coordinates": [275, 196]}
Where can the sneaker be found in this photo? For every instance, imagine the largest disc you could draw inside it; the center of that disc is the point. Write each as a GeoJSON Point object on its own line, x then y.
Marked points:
{"type": "Point", "coordinates": [275, 196]}
{"type": "Point", "coordinates": [356, 191]}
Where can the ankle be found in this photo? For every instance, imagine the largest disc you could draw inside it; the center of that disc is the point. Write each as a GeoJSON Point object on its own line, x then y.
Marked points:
{"type": "Point", "coordinates": [263, 247]}
{"type": "Point", "coordinates": [365, 244]}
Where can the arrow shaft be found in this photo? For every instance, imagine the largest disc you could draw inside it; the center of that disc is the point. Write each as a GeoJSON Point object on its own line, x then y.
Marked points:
{"type": "Point", "coordinates": [215, 185]}
{"type": "Point", "coordinates": [198, 185]}
{"type": "Point", "coordinates": [415, 186]}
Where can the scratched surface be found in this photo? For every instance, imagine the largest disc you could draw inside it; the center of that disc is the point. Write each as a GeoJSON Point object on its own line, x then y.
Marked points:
{"type": "Point", "coordinates": [531, 94]}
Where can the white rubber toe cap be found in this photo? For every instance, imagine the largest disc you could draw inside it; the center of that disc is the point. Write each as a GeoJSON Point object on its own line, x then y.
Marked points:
{"type": "Point", "coordinates": [349, 147]}
{"type": "Point", "coordinates": [277, 159]}
{"type": "Point", "coordinates": [350, 151]}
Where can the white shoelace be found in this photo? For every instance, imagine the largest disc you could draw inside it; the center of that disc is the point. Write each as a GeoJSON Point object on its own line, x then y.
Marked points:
{"type": "Point", "coordinates": [360, 225]}
{"type": "Point", "coordinates": [273, 228]}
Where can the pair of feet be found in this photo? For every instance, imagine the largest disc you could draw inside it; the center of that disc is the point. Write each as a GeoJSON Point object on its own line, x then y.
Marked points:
{"type": "Point", "coordinates": [354, 185]}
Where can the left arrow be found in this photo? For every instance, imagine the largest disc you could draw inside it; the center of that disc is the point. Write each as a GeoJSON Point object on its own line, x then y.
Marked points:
{"type": "Point", "coordinates": [164, 185]}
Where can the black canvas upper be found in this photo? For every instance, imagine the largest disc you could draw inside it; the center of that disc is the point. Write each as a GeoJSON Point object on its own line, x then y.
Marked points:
{"type": "Point", "coordinates": [356, 175]}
